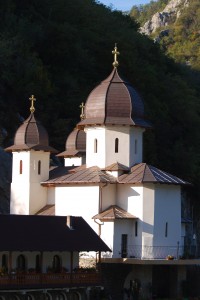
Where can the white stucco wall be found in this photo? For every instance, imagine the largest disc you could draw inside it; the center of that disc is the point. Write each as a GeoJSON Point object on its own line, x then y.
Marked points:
{"type": "Point", "coordinates": [167, 209]}
{"type": "Point", "coordinates": [78, 200]}
{"type": "Point", "coordinates": [51, 195]}
{"type": "Point", "coordinates": [27, 195]}
{"type": "Point", "coordinates": [108, 193]}
{"type": "Point", "coordinates": [73, 161]}
{"type": "Point", "coordinates": [106, 136]}
{"type": "Point", "coordinates": [107, 234]}
{"type": "Point", "coordinates": [136, 145]}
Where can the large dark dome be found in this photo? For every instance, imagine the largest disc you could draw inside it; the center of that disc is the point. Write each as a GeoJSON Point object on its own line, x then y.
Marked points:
{"type": "Point", "coordinates": [114, 102]}
{"type": "Point", "coordinates": [31, 135]}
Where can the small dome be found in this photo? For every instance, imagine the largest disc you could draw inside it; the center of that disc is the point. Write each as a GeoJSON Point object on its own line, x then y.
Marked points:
{"type": "Point", "coordinates": [114, 102]}
{"type": "Point", "coordinates": [31, 135]}
{"type": "Point", "coordinates": [75, 144]}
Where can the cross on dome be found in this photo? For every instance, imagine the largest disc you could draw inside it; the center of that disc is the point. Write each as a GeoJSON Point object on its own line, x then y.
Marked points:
{"type": "Point", "coordinates": [32, 99]}
{"type": "Point", "coordinates": [115, 52]}
{"type": "Point", "coordinates": [82, 106]}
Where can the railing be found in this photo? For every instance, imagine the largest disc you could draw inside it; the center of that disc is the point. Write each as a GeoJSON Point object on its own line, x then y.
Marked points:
{"type": "Point", "coordinates": [155, 252]}
{"type": "Point", "coordinates": [49, 279]}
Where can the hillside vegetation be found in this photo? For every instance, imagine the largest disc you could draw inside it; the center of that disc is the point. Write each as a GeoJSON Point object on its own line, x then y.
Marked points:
{"type": "Point", "coordinates": [180, 38]}
{"type": "Point", "coordinates": [59, 50]}
{"type": "Point", "coordinates": [143, 13]}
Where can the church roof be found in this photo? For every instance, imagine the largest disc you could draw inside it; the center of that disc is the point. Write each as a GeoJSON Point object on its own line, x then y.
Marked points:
{"type": "Point", "coordinates": [31, 135]}
{"type": "Point", "coordinates": [143, 173]}
{"type": "Point", "coordinates": [114, 212]}
{"type": "Point", "coordinates": [78, 175]}
{"type": "Point", "coordinates": [114, 102]}
{"type": "Point", "coordinates": [47, 210]}
{"type": "Point", "coordinates": [48, 233]}
{"type": "Point", "coordinates": [139, 173]}
{"type": "Point", "coordinates": [116, 167]}
{"type": "Point", "coordinates": [75, 144]}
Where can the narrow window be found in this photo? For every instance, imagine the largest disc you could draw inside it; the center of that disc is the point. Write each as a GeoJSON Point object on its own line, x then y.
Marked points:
{"type": "Point", "coordinates": [21, 262]}
{"type": "Point", "coordinates": [38, 263]}
{"type": "Point", "coordinates": [166, 229]}
{"type": "Point", "coordinates": [57, 264]}
{"type": "Point", "coordinates": [39, 167]}
{"type": "Point", "coordinates": [136, 146]}
{"type": "Point", "coordinates": [20, 167]}
{"type": "Point", "coordinates": [116, 145]}
{"type": "Point", "coordinates": [95, 146]}
{"type": "Point", "coordinates": [124, 248]}
{"type": "Point", "coordinates": [136, 228]}
{"type": "Point", "coordinates": [4, 262]}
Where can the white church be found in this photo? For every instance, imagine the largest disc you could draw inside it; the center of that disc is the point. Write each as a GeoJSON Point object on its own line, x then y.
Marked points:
{"type": "Point", "coordinates": [134, 207]}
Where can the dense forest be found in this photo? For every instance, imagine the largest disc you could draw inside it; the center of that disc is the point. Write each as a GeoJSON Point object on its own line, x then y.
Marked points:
{"type": "Point", "coordinates": [59, 50]}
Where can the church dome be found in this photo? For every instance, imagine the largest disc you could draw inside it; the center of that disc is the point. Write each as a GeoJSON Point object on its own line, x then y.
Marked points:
{"type": "Point", "coordinates": [114, 102]}
{"type": "Point", "coordinates": [75, 144]}
{"type": "Point", "coordinates": [31, 135]}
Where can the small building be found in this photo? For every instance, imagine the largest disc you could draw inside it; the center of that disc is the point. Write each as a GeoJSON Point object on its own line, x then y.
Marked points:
{"type": "Point", "coordinates": [39, 254]}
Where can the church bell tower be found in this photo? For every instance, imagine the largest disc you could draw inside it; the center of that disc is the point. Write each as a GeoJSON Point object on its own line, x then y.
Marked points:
{"type": "Point", "coordinates": [30, 166]}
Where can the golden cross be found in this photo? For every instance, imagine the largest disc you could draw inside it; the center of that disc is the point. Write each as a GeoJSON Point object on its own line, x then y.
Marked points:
{"type": "Point", "coordinates": [32, 99]}
{"type": "Point", "coordinates": [115, 52]}
{"type": "Point", "coordinates": [82, 106]}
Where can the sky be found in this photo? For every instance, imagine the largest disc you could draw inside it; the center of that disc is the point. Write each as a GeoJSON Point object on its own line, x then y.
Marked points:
{"type": "Point", "coordinates": [123, 5]}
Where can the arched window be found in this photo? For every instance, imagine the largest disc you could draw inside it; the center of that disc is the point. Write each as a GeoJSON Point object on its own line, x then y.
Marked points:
{"type": "Point", "coordinates": [116, 145]}
{"type": "Point", "coordinates": [39, 167]}
{"type": "Point", "coordinates": [20, 167]}
{"type": "Point", "coordinates": [4, 262]}
{"type": "Point", "coordinates": [136, 228]}
{"type": "Point", "coordinates": [136, 145]}
{"type": "Point", "coordinates": [75, 296]}
{"type": "Point", "coordinates": [21, 262]}
{"type": "Point", "coordinates": [38, 263]}
{"type": "Point", "coordinates": [166, 229]}
{"type": "Point", "coordinates": [56, 264]}
{"type": "Point", "coordinates": [95, 146]}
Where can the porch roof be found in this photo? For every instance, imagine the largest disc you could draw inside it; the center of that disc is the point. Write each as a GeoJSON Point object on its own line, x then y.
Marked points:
{"type": "Point", "coordinates": [114, 212]}
{"type": "Point", "coordinates": [48, 233]}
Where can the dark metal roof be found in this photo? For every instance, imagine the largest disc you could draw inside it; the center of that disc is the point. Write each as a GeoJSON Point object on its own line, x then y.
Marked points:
{"type": "Point", "coordinates": [114, 212]}
{"type": "Point", "coordinates": [114, 102]}
{"type": "Point", "coordinates": [75, 144]}
{"type": "Point", "coordinates": [48, 233]}
{"type": "Point", "coordinates": [117, 167]}
{"type": "Point", "coordinates": [31, 135]}
{"type": "Point", "coordinates": [47, 210]}
{"type": "Point", "coordinates": [81, 175]}
{"type": "Point", "coordinates": [143, 173]}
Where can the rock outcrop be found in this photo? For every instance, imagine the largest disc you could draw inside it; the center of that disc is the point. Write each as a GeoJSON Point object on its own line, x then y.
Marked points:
{"type": "Point", "coordinates": [161, 19]}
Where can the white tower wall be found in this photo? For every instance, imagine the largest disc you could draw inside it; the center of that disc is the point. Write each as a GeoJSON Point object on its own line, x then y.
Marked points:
{"type": "Point", "coordinates": [101, 147]}
{"type": "Point", "coordinates": [28, 170]}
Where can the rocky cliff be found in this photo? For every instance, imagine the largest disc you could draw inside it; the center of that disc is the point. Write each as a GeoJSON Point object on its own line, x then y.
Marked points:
{"type": "Point", "coordinates": [162, 19]}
